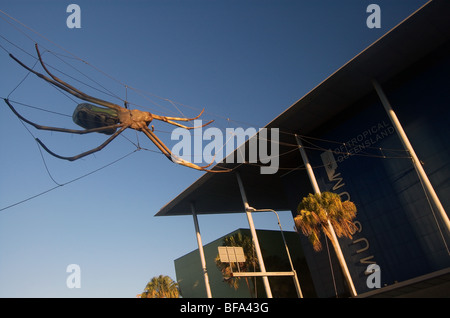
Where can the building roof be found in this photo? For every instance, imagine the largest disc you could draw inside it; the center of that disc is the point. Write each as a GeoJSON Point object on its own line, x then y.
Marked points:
{"type": "Point", "coordinates": [409, 42]}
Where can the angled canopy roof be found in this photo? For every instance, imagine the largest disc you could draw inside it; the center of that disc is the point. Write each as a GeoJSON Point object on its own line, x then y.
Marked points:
{"type": "Point", "coordinates": [418, 35]}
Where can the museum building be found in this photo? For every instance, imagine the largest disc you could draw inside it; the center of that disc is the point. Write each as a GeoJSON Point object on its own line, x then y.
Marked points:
{"type": "Point", "coordinates": [376, 132]}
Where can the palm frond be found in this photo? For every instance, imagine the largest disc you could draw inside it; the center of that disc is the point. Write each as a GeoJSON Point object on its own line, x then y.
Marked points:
{"type": "Point", "coordinates": [317, 211]}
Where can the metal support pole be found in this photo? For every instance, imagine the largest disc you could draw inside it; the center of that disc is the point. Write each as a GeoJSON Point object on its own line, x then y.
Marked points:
{"type": "Point", "coordinates": [202, 253]}
{"type": "Point", "coordinates": [335, 242]}
{"type": "Point", "coordinates": [248, 211]}
{"type": "Point", "coordinates": [296, 282]}
{"type": "Point", "coordinates": [416, 162]}
{"type": "Point", "coordinates": [309, 169]}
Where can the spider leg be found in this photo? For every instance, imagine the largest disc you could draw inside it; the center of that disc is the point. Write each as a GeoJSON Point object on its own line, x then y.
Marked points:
{"type": "Point", "coordinates": [166, 151]}
{"type": "Point", "coordinates": [64, 86]}
{"type": "Point", "coordinates": [73, 131]}
{"type": "Point", "coordinates": [170, 120]}
{"type": "Point", "coordinates": [181, 118]}
{"type": "Point", "coordinates": [55, 81]}
{"type": "Point", "coordinates": [103, 145]}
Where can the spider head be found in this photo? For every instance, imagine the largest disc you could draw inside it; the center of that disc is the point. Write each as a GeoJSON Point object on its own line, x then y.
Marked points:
{"type": "Point", "coordinates": [137, 119]}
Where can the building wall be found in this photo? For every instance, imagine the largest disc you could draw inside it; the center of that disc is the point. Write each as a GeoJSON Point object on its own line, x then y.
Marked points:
{"type": "Point", "coordinates": [397, 226]}
{"type": "Point", "coordinates": [190, 276]}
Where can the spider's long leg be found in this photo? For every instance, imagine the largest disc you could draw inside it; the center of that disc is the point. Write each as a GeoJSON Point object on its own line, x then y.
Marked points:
{"type": "Point", "coordinates": [53, 76]}
{"type": "Point", "coordinates": [158, 143]}
{"type": "Point", "coordinates": [170, 121]}
{"type": "Point", "coordinates": [166, 151]}
{"type": "Point", "coordinates": [103, 145]}
{"type": "Point", "coordinates": [179, 118]}
{"type": "Point", "coordinates": [72, 131]}
{"type": "Point", "coordinates": [66, 87]}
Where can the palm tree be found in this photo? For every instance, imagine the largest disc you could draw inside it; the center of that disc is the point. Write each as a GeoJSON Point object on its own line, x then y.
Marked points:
{"type": "Point", "coordinates": [326, 213]}
{"type": "Point", "coordinates": [250, 264]}
{"type": "Point", "coordinates": [161, 287]}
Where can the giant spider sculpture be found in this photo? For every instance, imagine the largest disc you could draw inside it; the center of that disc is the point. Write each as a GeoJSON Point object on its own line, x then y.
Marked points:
{"type": "Point", "coordinates": [112, 120]}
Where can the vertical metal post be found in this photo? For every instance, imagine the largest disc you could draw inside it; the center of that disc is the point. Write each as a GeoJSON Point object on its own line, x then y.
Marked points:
{"type": "Point", "coordinates": [296, 282]}
{"type": "Point", "coordinates": [309, 169]}
{"type": "Point", "coordinates": [295, 277]}
{"type": "Point", "coordinates": [335, 242]}
{"type": "Point", "coordinates": [416, 162]}
{"type": "Point", "coordinates": [202, 254]}
{"type": "Point", "coordinates": [248, 211]}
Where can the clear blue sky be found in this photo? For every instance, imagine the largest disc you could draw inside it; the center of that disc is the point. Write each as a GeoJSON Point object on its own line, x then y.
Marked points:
{"type": "Point", "coordinates": [243, 60]}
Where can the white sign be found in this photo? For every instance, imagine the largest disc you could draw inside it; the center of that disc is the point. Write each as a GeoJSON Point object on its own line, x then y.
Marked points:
{"type": "Point", "coordinates": [230, 254]}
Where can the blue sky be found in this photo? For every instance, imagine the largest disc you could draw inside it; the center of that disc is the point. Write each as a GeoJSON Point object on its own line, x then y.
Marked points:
{"type": "Point", "coordinates": [244, 61]}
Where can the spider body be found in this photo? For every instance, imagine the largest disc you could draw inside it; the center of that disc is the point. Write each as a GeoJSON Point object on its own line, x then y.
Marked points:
{"type": "Point", "coordinates": [135, 119]}
{"type": "Point", "coordinates": [107, 118]}
{"type": "Point", "coordinates": [90, 116]}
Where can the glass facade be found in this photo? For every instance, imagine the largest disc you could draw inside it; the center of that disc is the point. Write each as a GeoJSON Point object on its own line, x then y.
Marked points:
{"type": "Point", "coordinates": [191, 281]}
{"type": "Point", "coordinates": [360, 156]}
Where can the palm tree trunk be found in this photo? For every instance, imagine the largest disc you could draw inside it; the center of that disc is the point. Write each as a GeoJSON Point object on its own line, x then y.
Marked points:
{"type": "Point", "coordinates": [341, 259]}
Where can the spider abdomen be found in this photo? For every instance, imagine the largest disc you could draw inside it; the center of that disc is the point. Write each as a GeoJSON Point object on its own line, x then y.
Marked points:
{"type": "Point", "coordinates": [91, 116]}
